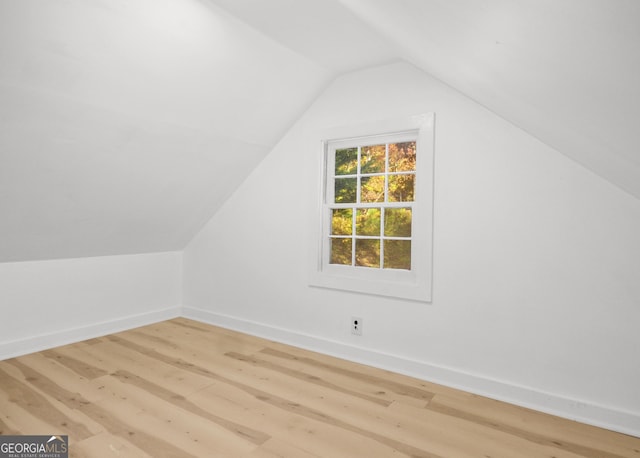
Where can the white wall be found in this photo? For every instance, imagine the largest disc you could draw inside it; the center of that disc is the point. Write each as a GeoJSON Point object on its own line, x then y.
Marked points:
{"type": "Point", "coordinates": [536, 298]}
{"type": "Point", "coordinates": [48, 303]}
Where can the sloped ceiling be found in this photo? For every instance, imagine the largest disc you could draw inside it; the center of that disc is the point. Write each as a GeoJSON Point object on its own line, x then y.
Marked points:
{"type": "Point", "coordinates": [566, 71]}
{"type": "Point", "coordinates": [125, 124]}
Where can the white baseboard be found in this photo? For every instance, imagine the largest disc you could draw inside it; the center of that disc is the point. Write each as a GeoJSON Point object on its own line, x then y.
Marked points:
{"type": "Point", "coordinates": [33, 344]}
{"type": "Point", "coordinates": [584, 412]}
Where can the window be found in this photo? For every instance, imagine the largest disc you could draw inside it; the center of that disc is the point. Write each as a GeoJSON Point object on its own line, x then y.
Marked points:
{"type": "Point", "coordinates": [370, 190]}
{"type": "Point", "coordinates": [376, 209]}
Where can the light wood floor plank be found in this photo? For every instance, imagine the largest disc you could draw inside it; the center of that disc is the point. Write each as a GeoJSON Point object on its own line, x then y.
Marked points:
{"type": "Point", "coordinates": [252, 435]}
{"type": "Point", "coordinates": [180, 388]}
{"type": "Point", "coordinates": [41, 405]}
{"type": "Point", "coordinates": [81, 368]}
{"type": "Point", "coordinates": [117, 357]}
{"type": "Point", "coordinates": [365, 385]}
{"type": "Point", "coordinates": [534, 426]}
{"type": "Point", "coordinates": [275, 448]}
{"type": "Point", "coordinates": [108, 446]}
{"type": "Point", "coordinates": [461, 438]}
{"type": "Point", "coordinates": [384, 383]}
{"type": "Point", "coordinates": [286, 404]}
{"type": "Point", "coordinates": [315, 436]}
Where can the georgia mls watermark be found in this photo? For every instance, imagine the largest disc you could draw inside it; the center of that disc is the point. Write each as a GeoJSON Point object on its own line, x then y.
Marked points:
{"type": "Point", "coordinates": [34, 447]}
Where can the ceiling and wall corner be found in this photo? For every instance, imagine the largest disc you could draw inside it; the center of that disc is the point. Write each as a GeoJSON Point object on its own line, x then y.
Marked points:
{"type": "Point", "coordinates": [125, 125]}
{"type": "Point", "coordinates": [564, 71]}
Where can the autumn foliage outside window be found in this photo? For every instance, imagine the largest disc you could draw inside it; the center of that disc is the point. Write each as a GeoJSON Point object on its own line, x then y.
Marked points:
{"type": "Point", "coordinates": [372, 205]}
{"type": "Point", "coordinates": [374, 226]}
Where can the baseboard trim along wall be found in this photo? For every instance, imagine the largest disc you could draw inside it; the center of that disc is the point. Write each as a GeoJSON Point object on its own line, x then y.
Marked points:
{"type": "Point", "coordinates": [584, 412]}
{"type": "Point", "coordinates": [33, 344]}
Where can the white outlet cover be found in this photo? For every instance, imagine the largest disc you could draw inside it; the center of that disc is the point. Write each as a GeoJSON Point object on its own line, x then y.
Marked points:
{"type": "Point", "coordinates": [356, 326]}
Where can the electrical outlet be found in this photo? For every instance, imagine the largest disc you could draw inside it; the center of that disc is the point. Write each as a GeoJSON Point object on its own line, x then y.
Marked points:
{"type": "Point", "coordinates": [356, 326]}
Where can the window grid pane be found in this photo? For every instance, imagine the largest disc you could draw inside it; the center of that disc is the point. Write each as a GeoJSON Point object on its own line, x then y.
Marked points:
{"type": "Point", "coordinates": [374, 191]}
{"type": "Point", "coordinates": [341, 221]}
{"type": "Point", "coordinates": [397, 254]}
{"type": "Point", "coordinates": [346, 161]}
{"type": "Point", "coordinates": [341, 251]}
{"type": "Point", "coordinates": [368, 252]}
{"type": "Point", "coordinates": [402, 156]}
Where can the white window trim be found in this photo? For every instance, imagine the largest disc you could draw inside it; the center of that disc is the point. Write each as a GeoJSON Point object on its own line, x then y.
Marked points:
{"type": "Point", "coordinates": [413, 285]}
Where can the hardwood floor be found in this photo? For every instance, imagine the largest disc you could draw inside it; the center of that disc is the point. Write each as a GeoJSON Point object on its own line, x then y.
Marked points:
{"type": "Point", "coordinates": [185, 389]}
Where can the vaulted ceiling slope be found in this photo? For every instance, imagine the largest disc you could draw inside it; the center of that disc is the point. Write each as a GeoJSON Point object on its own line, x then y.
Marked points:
{"type": "Point", "coordinates": [565, 71]}
{"type": "Point", "coordinates": [125, 124]}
